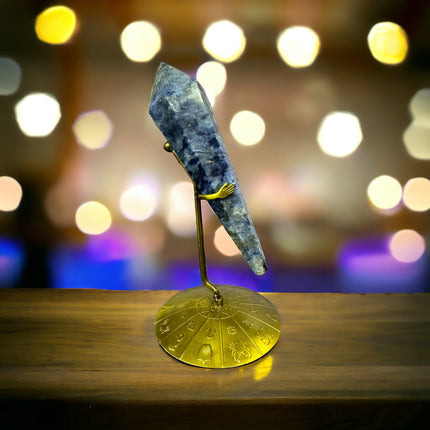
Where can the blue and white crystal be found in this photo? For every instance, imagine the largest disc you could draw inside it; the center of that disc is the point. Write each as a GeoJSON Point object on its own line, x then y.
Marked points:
{"type": "Point", "coordinates": [182, 112]}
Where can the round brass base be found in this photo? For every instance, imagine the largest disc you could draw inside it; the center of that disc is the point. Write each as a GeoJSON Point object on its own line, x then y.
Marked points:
{"type": "Point", "coordinates": [192, 328]}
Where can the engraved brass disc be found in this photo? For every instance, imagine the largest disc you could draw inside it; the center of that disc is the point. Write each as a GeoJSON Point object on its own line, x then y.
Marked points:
{"type": "Point", "coordinates": [193, 329]}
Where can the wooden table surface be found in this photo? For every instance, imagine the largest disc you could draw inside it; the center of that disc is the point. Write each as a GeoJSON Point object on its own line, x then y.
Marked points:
{"type": "Point", "coordinates": [90, 359]}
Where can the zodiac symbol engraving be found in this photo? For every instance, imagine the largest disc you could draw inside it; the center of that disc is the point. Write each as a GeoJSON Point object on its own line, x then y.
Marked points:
{"type": "Point", "coordinates": [164, 327]}
{"type": "Point", "coordinates": [265, 337]}
{"type": "Point", "coordinates": [210, 333]}
{"type": "Point", "coordinates": [185, 304]}
{"type": "Point", "coordinates": [205, 353]}
{"type": "Point", "coordinates": [175, 342]}
{"type": "Point", "coordinates": [231, 329]}
{"type": "Point", "coordinates": [240, 351]}
{"type": "Point", "coordinates": [184, 316]}
{"type": "Point", "coordinates": [248, 323]}
{"type": "Point", "coordinates": [272, 317]}
{"type": "Point", "coordinates": [192, 325]}
{"type": "Point", "coordinates": [166, 308]}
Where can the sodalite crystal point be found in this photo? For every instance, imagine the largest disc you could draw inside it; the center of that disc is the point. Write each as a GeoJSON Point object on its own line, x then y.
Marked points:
{"type": "Point", "coordinates": [182, 112]}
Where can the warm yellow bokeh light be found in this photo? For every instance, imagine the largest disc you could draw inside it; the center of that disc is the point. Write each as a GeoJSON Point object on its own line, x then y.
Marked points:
{"type": "Point", "coordinates": [10, 76]}
{"type": "Point", "coordinates": [224, 40]}
{"type": "Point", "coordinates": [10, 193]}
{"type": "Point", "coordinates": [339, 134]}
{"type": "Point", "coordinates": [416, 194]}
{"type": "Point", "coordinates": [37, 114]}
{"type": "Point", "coordinates": [140, 41]}
{"type": "Point", "coordinates": [247, 128]}
{"type": "Point", "coordinates": [224, 243]}
{"type": "Point", "coordinates": [139, 202]}
{"type": "Point", "coordinates": [298, 46]}
{"type": "Point", "coordinates": [212, 76]}
{"type": "Point", "coordinates": [384, 192]}
{"type": "Point", "coordinates": [388, 43]}
{"type": "Point", "coordinates": [56, 25]}
{"type": "Point", "coordinates": [93, 218]}
{"type": "Point", "coordinates": [407, 246]}
{"type": "Point", "coordinates": [93, 129]}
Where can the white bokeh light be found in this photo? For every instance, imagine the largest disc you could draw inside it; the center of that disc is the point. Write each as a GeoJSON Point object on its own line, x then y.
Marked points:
{"type": "Point", "coordinates": [339, 134]}
{"type": "Point", "coordinates": [93, 218]}
{"type": "Point", "coordinates": [140, 41]}
{"type": "Point", "coordinates": [37, 114]}
{"type": "Point", "coordinates": [93, 129]}
{"type": "Point", "coordinates": [224, 40]}
{"type": "Point", "coordinates": [298, 46]}
{"type": "Point", "coordinates": [180, 214]}
{"type": "Point", "coordinates": [384, 192]}
{"type": "Point", "coordinates": [212, 76]}
{"type": "Point", "coordinates": [417, 141]}
{"type": "Point", "coordinates": [416, 194]}
{"type": "Point", "coordinates": [248, 128]}
{"type": "Point", "coordinates": [420, 107]}
{"type": "Point", "coordinates": [138, 203]}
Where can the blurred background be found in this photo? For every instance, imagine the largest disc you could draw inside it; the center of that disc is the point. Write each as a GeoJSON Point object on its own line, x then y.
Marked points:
{"type": "Point", "coordinates": [324, 107]}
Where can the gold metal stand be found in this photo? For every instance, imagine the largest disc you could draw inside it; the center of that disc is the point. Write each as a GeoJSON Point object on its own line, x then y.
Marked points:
{"type": "Point", "coordinates": [216, 326]}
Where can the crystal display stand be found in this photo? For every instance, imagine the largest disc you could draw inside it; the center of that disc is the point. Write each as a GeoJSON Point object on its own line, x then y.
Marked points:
{"type": "Point", "coordinates": [216, 326]}
{"type": "Point", "coordinates": [212, 326]}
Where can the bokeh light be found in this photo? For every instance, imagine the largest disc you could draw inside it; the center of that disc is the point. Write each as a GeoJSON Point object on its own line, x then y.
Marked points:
{"type": "Point", "coordinates": [56, 25]}
{"type": "Point", "coordinates": [420, 107]}
{"type": "Point", "coordinates": [93, 129]}
{"type": "Point", "coordinates": [247, 128]}
{"type": "Point", "coordinates": [180, 214]}
{"type": "Point", "coordinates": [298, 46]}
{"type": "Point", "coordinates": [407, 246]}
{"type": "Point", "coordinates": [12, 256]}
{"type": "Point", "coordinates": [181, 221]}
{"type": "Point", "coordinates": [388, 43]}
{"type": "Point", "coordinates": [10, 193]}
{"type": "Point", "coordinates": [224, 243]}
{"type": "Point", "coordinates": [10, 76]}
{"type": "Point", "coordinates": [224, 40]}
{"type": "Point", "coordinates": [417, 135]}
{"type": "Point", "coordinates": [384, 192]}
{"type": "Point", "coordinates": [417, 141]}
{"type": "Point", "coordinates": [416, 194]}
{"type": "Point", "coordinates": [339, 134]}
{"type": "Point", "coordinates": [212, 76]}
{"type": "Point", "coordinates": [37, 114]}
{"type": "Point", "coordinates": [138, 203]}
{"type": "Point", "coordinates": [140, 41]}
{"type": "Point", "coordinates": [93, 218]}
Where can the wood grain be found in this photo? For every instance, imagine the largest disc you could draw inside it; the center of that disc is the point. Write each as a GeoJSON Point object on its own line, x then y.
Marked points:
{"type": "Point", "coordinates": [349, 354]}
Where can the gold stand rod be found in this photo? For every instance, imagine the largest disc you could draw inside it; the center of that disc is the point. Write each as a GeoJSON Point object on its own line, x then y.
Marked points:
{"type": "Point", "coordinates": [202, 257]}
{"type": "Point", "coordinates": [222, 193]}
